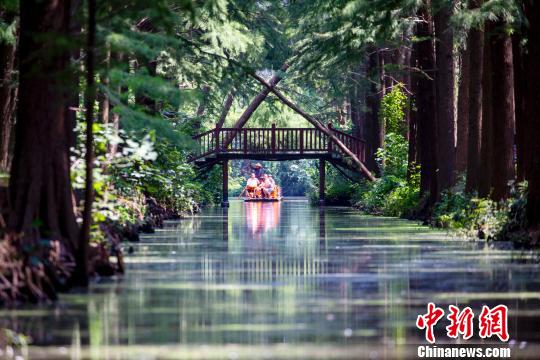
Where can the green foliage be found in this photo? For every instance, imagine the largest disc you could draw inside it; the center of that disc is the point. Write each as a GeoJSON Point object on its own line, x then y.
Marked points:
{"type": "Point", "coordinates": [392, 111]}
{"type": "Point", "coordinates": [392, 158]}
{"type": "Point", "coordinates": [483, 218]}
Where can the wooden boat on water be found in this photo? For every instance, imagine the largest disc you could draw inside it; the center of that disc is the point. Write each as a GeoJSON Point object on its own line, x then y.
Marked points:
{"type": "Point", "coordinates": [262, 199]}
{"type": "Point", "coordinates": [274, 197]}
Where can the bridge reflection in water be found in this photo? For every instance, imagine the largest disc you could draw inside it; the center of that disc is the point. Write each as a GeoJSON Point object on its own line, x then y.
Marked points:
{"type": "Point", "coordinates": [282, 281]}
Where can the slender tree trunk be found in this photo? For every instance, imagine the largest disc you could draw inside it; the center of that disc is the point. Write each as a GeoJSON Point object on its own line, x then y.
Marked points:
{"type": "Point", "coordinates": [424, 53]}
{"type": "Point", "coordinates": [444, 79]}
{"type": "Point", "coordinates": [226, 108]}
{"type": "Point", "coordinates": [40, 187]}
{"type": "Point", "coordinates": [532, 109]}
{"type": "Point", "coordinates": [375, 138]}
{"type": "Point", "coordinates": [476, 43]}
{"type": "Point", "coordinates": [412, 127]}
{"type": "Point", "coordinates": [503, 170]}
{"type": "Point", "coordinates": [84, 240]}
{"type": "Point", "coordinates": [463, 111]}
{"type": "Point", "coordinates": [7, 96]}
{"type": "Point", "coordinates": [522, 135]}
{"type": "Point", "coordinates": [486, 158]}
{"type": "Point", "coordinates": [104, 102]}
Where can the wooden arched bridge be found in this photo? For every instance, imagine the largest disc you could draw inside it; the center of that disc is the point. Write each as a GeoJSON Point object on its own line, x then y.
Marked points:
{"type": "Point", "coordinates": [221, 144]}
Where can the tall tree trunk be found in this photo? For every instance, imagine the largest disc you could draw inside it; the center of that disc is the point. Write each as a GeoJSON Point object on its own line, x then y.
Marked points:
{"type": "Point", "coordinates": [476, 44]}
{"type": "Point", "coordinates": [40, 187]}
{"type": "Point", "coordinates": [463, 111]}
{"type": "Point", "coordinates": [444, 79]}
{"type": "Point", "coordinates": [532, 109]}
{"type": "Point", "coordinates": [412, 124]}
{"type": "Point", "coordinates": [104, 102]}
{"type": "Point", "coordinates": [424, 53]}
{"type": "Point", "coordinates": [84, 240]}
{"type": "Point", "coordinates": [503, 113]}
{"type": "Point", "coordinates": [522, 126]}
{"type": "Point", "coordinates": [375, 137]}
{"type": "Point", "coordinates": [486, 156]}
{"type": "Point", "coordinates": [7, 95]}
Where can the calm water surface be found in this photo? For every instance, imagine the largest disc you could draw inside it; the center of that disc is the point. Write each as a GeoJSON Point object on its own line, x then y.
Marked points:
{"type": "Point", "coordinates": [285, 280]}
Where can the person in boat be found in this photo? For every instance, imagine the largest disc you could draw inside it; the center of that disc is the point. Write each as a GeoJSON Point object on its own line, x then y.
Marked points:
{"type": "Point", "coordinates": [268, 186]}
{"type": "Point", "coordinates": [274, 194]}
{"type": "Point", "coordinates": [252, 186]}
{"type": "Point", "coordinates": [258, 170]}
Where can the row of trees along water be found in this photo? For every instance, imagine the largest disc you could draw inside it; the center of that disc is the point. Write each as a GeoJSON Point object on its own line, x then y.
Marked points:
{"type": "Point", "coordinates": [99, 100]}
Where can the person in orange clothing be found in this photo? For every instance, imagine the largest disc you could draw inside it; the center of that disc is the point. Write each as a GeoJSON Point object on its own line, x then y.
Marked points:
{"type": "Point", "coordinates": [252, 186]}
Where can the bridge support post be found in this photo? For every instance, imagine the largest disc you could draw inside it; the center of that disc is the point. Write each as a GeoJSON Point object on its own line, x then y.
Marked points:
{"type": "Point", "coordinates": [225, 172]}
{"type": "Point", "coordinates": [322, 181]}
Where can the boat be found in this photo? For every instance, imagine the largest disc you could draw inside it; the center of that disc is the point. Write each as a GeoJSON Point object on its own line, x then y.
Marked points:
{"type": "Point", "coordinates": [262, 199]}
{"type": "Point", "coordinates": [276, 197]}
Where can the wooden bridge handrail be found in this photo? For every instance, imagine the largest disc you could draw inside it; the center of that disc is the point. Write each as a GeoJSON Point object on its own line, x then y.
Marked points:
{"type": "Point", "coordinates": [275, 141]}
{"type": "Point", "coordinates": [198, 136]}
{"type": "Point", "coordinates": [348, 135]}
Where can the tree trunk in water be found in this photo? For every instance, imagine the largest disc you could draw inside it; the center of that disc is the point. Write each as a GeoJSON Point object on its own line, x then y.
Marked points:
{"type": "Point", "coordinates": [444, 79]}
{"type": "Point", "coordinates": [476, 43]}
{"type": "Point", "coordinates": [463, 111]}
{"type": "Point", "coordinates": [502, 113]}
{"type": "Point", "coordinates": [426, 105]}
{"type": "Point", "coordinates": [522, 127]}
{"type": "Point", "coordinates": [7, 97]}
{"type": "Point", "coordinates": [486, 160]}
{"type": "Point", "coordinates": [40, 187]}
{"type": "Point", "coordinates": [81, 272]}
{"type": "Point", "coordinates": [532, 103]}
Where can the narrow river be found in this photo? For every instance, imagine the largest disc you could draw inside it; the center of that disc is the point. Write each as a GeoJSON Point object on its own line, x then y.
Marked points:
{"type": "Point", "coordinates": [284, 281]}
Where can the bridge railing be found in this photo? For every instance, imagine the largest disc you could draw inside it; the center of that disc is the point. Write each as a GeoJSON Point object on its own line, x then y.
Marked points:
{"type": "Point", "coordinates": [274, 141]}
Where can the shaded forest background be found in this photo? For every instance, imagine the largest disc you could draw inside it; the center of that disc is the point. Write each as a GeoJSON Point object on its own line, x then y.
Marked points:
{"type": "Point", "coordinates": [99, 101]}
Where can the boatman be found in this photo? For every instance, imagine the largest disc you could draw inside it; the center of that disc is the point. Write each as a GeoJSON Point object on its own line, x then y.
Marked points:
{"type": "Point", "coordinates": [258, 170]}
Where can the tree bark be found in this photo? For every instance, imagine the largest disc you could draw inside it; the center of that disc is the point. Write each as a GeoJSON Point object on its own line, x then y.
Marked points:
{"type": "Point", "coordinates": [532, 109]}
{"type": "Point", "coordinates": [424, 53]}
{"type": "Point", "coordinates": [486, 159]}
{"type": "Point", "coordinates": [84, 239]}
{"type": "Point", "coordinates": [444, 84]}
{"type": "Point", "coordinates": [476, 43]}
{"type": "Point", "coordinates": [463, 111]}
{"type": "Point", "coordinates": [226, 108]}
{"type": "Point", "coordinates": [522, 126]}
{"type": "Point", "coordinates": [7, 96]}
{"type": "Point", "coordinates": [412, 123]}
{"type": "Point", "coordinates": [503, 169]}
{"type": "Point", "coordinates": [40, 187]}
{"type": "Point", "coordinates": [375, 137]}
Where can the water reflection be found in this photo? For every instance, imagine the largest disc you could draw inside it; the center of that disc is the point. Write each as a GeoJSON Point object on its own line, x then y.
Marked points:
{"type": "Point", "coordinates": [261, 217]}
{"type": "Point", "coordinates": [282, 281]}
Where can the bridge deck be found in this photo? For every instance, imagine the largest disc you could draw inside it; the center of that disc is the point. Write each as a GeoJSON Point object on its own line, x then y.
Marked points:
{"type": "Point", "coordinates": [273, 144]}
